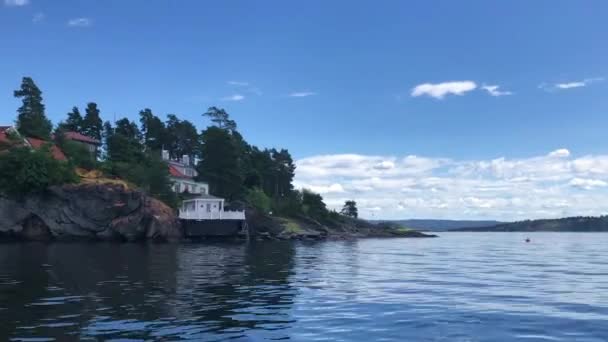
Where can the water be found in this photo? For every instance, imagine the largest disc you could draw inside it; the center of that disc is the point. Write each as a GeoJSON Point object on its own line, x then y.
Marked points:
{"type": "Point", "coordinates": [460, 287]}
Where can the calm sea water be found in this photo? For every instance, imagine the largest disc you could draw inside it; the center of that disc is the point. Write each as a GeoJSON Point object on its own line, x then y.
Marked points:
{"type": "Point", "coordinates": [459, 287]}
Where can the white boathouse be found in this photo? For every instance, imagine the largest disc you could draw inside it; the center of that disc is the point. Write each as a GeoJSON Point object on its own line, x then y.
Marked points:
{"type": "Point", "coordinates": [208, 207]}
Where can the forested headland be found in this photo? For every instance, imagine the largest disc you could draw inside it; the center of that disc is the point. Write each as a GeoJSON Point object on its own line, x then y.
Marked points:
{"type": "Point", "coordinates": [130, 150]}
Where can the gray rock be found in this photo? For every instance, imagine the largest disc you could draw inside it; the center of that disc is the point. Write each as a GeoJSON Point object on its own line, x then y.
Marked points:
{"type": "Point", "coordinates": [89, 211]}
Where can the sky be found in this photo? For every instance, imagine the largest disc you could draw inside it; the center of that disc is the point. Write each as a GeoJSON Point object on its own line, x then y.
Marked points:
{"type": "Point", "coordinates": [415, 109]}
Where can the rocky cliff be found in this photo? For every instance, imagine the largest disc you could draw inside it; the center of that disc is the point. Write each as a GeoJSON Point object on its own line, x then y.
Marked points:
{"type": "Point", "coordinates": [88, 211]}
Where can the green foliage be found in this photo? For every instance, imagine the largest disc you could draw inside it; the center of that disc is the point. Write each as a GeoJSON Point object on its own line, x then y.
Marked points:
{"type": "Point", "coordinates": [220, 118]}
{"type": "Point", "coordinates": [313, 205]}
{"type": "Point", "coordinates": [350, 209]}
{"type": "Point", "coordinates": [24, 171]}
{"type": "Point", "coordinates": [127, 160]}
{"type": "Point", "coordinates": [123, 142]}
{"type": "Point", "coordinates": [259, 200]}
{"type": "Point", "coordinates": [73, 122]}
{"type": "Point", "coordinates": [78, 154]}
{"type": "Point", "coordinates": [221, 165]}
{"type": "Point", "coordinates": [153, 130]}
{"type": "Point", "coordinates": [182, 137]}
{"type": "Point", "coordinates": [92, 126]}
{"type": "Point", "coordinates": [290, 205]}
{"type": "Point", "coordinates": [31, 120]}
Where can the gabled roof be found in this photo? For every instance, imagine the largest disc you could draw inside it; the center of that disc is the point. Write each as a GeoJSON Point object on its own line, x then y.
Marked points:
{"type": "Point", "coordinates": [175, 172]}
{"type": "Point", "coordinates": [5, 141]}
{"type": "Point", "coordinates": [34, 143]}
{"type": "Point", "coordinates": [56, 152]}
{"type": "Point", "coordinates": [80, 137]}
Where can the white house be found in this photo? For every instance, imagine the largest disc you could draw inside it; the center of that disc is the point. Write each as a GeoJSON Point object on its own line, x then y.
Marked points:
{"type": "Point", "coordinates": [182, 174]}
{"type": "Point", "coordinates": [207, 207]}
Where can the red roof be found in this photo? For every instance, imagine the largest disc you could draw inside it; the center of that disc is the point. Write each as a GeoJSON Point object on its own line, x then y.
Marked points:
{"type": "Point", "coordinates": [56, 152]}
{"type": "Point", "coordinates": [3, 137]}
{"type": "Point", "coordinates": [175, 172]}
{"type": "Point", "coordinates": [3, 134]}
{"type": "Point", "coordinates": [80, 137]}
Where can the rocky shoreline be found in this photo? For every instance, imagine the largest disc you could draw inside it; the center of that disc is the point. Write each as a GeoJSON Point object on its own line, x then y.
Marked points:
{"type": "Point", "coordinates": [112, 212]}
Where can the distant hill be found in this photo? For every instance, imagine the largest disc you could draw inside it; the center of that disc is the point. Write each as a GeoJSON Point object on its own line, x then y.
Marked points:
{"type": "Point", "coordinates": [569, 224]}
{"type": "Point", "coordinates": [441, 225]}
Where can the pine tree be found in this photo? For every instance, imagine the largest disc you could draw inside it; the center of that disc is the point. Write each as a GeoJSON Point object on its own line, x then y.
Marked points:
{"type": "Point", "coordinates": [221, 164]}
{"type": "Point", "coordinates": [350, 209]}
{"type": "Point", "coordinates": [74, 121]}
{"type": "Point", "coordinates": [153, 130]}
{"type": "Point", "coordinates": [92, 125]}
{"type": "Point", "coordinates": [31, 120]}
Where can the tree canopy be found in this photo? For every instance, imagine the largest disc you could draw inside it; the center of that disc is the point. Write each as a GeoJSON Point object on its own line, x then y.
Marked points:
{"type": "Point", "coordinates": [350, 209]}
{"type": "Point", "coordinates": [92, 125]}
{"type": "Point", "coordinates": [31, 119]}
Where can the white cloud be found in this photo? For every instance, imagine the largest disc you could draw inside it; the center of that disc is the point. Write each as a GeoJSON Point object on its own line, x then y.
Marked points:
{"type": "Point", "coordinates": [587, 184]}
{"type": "Point", "coordinates": [38, 17]}
{"type": "Point", "coordinates": [324, 189]}
{"type": "Point", "coordinates": [238, 83]}
{"type": "Point", "coordinates": [235, 97]}
{"type": "Point", "coordinates": [494, 90]}
{"type": "Point", "coordinates": [555, 184]}
{"type": "Point", "coordinates": [80, 22]}
{"type": "Point", "coordinates": [440, 90]}
{"type": "Point", "coordinates": [560, 153]}
{"type": "Point", "coordinates": [302, 94]}
{"type": "Point", "coordinates": [16, 3]}
{"type": "Point", "coordinates": [570, 85]}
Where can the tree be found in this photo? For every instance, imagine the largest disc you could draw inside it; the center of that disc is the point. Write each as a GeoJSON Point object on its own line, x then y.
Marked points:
{"type": "Point", "coordinates": [284, 171]}
{"type": "Point", "coordinates": [123, 142]}
{"type": "Point", "coordinates": [77, 154]}
{"type": "Point", "coordinates": [31, 120]}
{"type": "Point", "coordinates": [258, 199]}
{"type": "Point", "coordinates": [220, 165]}
{"type": "Point", "coordinates": [127, 159]}
{"type": "Point", "coordinates": [182, 137]}
{"type": "Point", "coordinates": [313, 205]}
{"type": "Point", "coordinates": [350, 209]}
{"type": "Point", "coordinates": [153, 130]}
{"type": "Point", "coordinates": [220, 118]}
{"type": "Point", "coordinates": [92, 126]}
{"type": "Point", "coordinates": [24, 171]}
{"type": "Point", "coordinates": [73, 122]}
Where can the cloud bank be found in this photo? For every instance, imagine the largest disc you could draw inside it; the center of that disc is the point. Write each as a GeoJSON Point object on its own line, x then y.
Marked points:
{"type": "Point", "coordinates": [547, 186]}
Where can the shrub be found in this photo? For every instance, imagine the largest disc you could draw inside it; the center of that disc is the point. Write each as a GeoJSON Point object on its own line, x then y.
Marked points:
{"type": "Point", "coordinates": [79, 155]}
{"type": "Point", "coordinates": [24, 171]}
{"type": "Point", "coordinates": [258, 199]}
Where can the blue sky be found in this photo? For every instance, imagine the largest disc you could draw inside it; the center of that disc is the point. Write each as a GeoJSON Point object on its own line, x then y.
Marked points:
{"type": "Point", "coordinates": [355, 65]}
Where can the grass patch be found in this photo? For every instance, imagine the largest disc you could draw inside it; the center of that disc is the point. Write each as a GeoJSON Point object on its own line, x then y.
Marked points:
{"type": "Point", "coordinates": [291, 226]}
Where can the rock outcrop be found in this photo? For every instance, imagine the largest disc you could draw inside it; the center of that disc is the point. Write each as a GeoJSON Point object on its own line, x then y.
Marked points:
{"type": "Point", "coordinates": [89, 211]}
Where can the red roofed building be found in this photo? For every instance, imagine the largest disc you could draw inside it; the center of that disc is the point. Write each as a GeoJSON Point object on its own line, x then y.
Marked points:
{"type": "Point", "coordinates": [182, 174]}
{"type": "Point", "coordinates": [56, 152]}
{"type": "Point", "coordinates": [35, 143]}
{"type": "Point", "coordinates": [91, 144]}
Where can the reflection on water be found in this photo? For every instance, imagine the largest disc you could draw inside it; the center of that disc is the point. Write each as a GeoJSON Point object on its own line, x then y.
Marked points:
{"type": "Point", "coordinates": [460, 287]}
